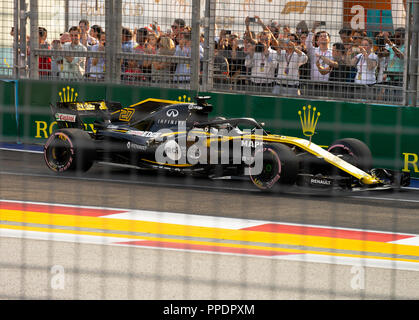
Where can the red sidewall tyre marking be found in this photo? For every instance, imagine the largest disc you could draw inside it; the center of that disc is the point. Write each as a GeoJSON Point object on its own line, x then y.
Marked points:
{"type": "Point", "coordinates": [343, 147]}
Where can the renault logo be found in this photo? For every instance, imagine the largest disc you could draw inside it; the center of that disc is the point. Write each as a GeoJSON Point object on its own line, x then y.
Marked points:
{"type": "Point", "coordinates": [172, 113]}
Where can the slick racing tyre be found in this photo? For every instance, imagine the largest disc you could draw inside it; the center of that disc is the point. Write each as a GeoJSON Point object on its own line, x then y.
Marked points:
{"type": "Point", "coordinates": [69, 150]}
{"type": "Point", "coordinates": [353, 151]}
{"type": "Point", "coordinates": [280, 165]}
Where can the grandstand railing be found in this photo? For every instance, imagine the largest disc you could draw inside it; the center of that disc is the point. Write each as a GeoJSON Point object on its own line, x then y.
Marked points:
{"type": "Point", "coordinates": [200, 68]}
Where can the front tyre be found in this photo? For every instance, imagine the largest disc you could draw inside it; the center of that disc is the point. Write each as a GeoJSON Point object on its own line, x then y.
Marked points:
{"type": "Point", "coordinates": [353, 151]}
{"type": "Point", "coordinates": [280, 165]}
{"type": "Point", "coordinates": [69, 150]}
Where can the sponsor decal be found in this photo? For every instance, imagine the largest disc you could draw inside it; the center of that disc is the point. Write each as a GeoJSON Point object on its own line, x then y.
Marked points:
{"type": "Point", "coordinates": [251, 144]}
{"type": "Point", "coordinates": [172, 113]}
{"type": "Point", "coordinates": [170, 122]}
{"type": "Point", "coordinates": [86, 106]}
{"type": "Point", "coordinates": [323, 182]}
{"type": "Point", "coordinates": [147, 134]}
{"type": "Point", "coordinates": [134, 146]}
{"type": "Point", "coordinates": [65, 117]}
{"type": "Point", "coordinates": [195, 107]}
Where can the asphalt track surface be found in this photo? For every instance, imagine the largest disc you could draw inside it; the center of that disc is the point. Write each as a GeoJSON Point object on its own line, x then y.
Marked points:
{"type": "Point", "coordinates": [107, 272]}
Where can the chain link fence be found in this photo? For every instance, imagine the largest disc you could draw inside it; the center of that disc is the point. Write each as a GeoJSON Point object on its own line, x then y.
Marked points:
{"type": "Point", "coordinates": [304, 49]}
{"type": "Point", "coordinates": [350, 50]}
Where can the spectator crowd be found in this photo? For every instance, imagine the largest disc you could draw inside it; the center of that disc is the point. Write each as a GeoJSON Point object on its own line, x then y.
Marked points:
{"type": "Point", "coordinates": [265, 58]}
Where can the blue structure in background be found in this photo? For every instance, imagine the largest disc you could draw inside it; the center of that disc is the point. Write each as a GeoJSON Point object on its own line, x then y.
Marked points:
{"type": "Point", "coordinates": [378, 20]}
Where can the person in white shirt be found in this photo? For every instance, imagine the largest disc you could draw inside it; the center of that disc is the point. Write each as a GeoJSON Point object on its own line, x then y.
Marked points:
{"type": "Point", "coordinates": [73, 67]}
{"type": "Point", "coordinates": [290, 58]}
{"type": "Point", "coordinates": [322, 38]}
{"type": "Point", "coordinates": [366, 63]}
{"type": "Point", "coordinates": [263, 62]}
{"type": "Point", "coordinates": [322, 49]}
{"type": "Point", "coordinates": [263, 59]}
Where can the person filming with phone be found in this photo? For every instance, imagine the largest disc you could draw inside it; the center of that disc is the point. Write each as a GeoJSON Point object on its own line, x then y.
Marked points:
{"type": "Point", "coordinates": [290, 58]}
{"type": "Point", "coordinates": [263, 60]}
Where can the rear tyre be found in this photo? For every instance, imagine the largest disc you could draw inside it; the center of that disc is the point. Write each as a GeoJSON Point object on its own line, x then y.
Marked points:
{"type": "Point", "coordinates": [280, 165]}
{"type": "Point", "coordinates": [353, 151]}
{"type": "Point", "coordinates": [69, 150]}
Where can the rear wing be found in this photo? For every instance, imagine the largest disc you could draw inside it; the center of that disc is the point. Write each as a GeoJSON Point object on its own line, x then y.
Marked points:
{"type": "Point", "coordinates": [82, 115]}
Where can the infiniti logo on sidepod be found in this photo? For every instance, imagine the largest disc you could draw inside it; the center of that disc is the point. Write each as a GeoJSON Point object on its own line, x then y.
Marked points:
{"type": "Point", "coordinates": [173, 113]}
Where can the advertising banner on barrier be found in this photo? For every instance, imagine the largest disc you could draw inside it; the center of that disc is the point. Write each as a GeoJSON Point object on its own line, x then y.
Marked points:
{"type": "Point", "coordinates": [8, 111]}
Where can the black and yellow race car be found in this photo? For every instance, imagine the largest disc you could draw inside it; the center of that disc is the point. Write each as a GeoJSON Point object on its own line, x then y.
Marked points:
{"type": "Point", "coordinates": [178, 136]}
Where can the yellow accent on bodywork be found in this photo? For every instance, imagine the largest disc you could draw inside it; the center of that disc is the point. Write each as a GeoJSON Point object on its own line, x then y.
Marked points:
{"type": "Point", "coordinates": [306, 145]}
{"type": "Point", "coordinates": [327, 156]}
{"type": "Point", "coordinates": [155, 100]}
{"type": "Point", "coordinates": [312, 148]}
{"type": "Point", "coordinates": [147, 100]}
{"type": "Point", "coordinates": [126, 114]}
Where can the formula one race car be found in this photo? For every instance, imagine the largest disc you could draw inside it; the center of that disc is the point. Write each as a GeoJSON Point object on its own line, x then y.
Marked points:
{"type": "Point", "coordinates": [178, 136]}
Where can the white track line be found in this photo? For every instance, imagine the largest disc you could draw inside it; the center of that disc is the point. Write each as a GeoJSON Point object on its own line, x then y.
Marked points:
{"type": "Point", "coordinates": [387, 199]}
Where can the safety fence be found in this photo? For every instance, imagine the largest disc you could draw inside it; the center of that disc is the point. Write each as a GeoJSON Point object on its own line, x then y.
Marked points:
{"type": "Point", "coordinates": [342, 50]}
{"type": "Point", "coordinates": [84, 236]}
